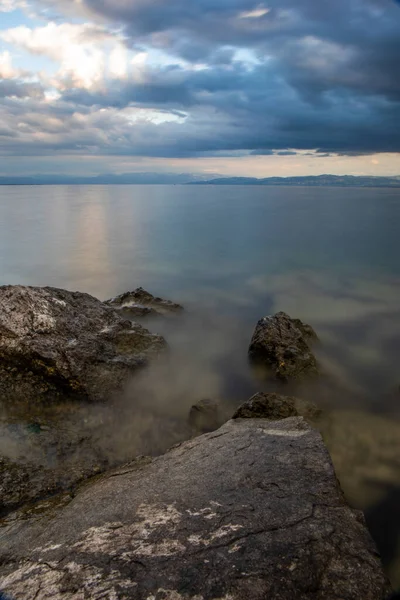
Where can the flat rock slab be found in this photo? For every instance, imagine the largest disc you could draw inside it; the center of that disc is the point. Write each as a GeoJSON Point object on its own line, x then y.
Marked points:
{"type": "Point", "coordinates": [140, 303]}
{"type": "Point", "coordinates": [249, 512]}
{"type": "Point", "coordinates": [56, 344]}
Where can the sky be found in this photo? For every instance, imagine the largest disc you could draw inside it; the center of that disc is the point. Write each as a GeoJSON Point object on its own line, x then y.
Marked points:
{"type": "Point", "coordinates": [230, 87]}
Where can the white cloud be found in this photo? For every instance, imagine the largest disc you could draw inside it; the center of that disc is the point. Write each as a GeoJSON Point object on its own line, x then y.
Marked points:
{"type": "Point", "coordinates": [80, 50]}
{"type": "Point", "coordinates": [256, 13]}
{"type": "Point", "coordinates": [118, 62]}
{"type": "Point", "coordinates": [10, 5]}
{"type": "Point", "coordinates": [6, 69]}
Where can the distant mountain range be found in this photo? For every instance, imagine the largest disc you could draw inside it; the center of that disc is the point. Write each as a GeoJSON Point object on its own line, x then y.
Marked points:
{"type": "Point", "coordinates": [309, 181]}
{"type": "Point", "coordinates": [198, 179]}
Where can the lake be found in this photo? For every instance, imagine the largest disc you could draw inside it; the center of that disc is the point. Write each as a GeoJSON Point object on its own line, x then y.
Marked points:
{"type": "Point", "coordinates": [232, 254]}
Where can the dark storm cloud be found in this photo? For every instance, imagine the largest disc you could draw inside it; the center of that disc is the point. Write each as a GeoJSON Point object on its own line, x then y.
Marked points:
{"type": "Point", "coordinates": [308, 74]}
{"type": "Point", "coordinates": [256, 110]}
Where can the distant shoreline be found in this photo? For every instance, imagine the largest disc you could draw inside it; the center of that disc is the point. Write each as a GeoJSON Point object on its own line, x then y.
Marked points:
{"type": "Point", "coordinates": [182, 179]}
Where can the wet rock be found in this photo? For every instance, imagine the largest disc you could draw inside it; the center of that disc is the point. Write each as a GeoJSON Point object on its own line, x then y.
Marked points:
{"type": "Point", "coordinates": [251, 511]}
{"type": "Point", "coordinates": [281, 344]}
{"type": "Point", "coordinates": [205, 416]}
{"type": "Point", "coordinates": [56, 344]}
{"type": "Point", "coordinates": [40, 459]}
{"type": "Point", "coordinates": [274, 407]}
{"type": "Point", "coordinates": [22, 483]}
{"type": "Point", "coordinates": [140, 303]}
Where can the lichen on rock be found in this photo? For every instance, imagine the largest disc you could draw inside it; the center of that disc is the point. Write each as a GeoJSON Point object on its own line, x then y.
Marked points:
{"type": "Point", "coordinates": [56, 344]}
{"type": "Point", "coordinates": [251, 511]}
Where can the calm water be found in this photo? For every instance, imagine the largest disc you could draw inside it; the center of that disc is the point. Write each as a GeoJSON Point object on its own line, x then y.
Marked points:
{"type": "Point", "coordinates": [231, 255]}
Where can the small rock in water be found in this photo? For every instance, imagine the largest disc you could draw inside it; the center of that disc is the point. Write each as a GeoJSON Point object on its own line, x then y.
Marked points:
{"type": "Point", "coordinates": [140, 303]}
{"type": "Point", "coordinates": [281, 345]}
{"type": "Point", "coordinates": [205, 416]}
{"type": "Point", "coordinates": [275, 407]}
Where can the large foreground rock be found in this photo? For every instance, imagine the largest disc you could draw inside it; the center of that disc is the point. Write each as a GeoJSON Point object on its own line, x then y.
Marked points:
{"type": "Point", "coordinates": [251, 511]}
{"type": "Point", "coordinates": [140, 303]}
{"type": "Point", "coordinates": [281, 344]}
{"type": "Point", "coordinates": [56, 344]}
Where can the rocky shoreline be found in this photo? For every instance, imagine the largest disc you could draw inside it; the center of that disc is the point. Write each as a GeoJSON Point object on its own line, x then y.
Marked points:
{"type": "Point", "coordinates": [248, 507]}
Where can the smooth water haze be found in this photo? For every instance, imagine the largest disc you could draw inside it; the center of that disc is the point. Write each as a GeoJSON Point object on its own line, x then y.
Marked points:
{"type": "Point", "coordinates": [232, 254]}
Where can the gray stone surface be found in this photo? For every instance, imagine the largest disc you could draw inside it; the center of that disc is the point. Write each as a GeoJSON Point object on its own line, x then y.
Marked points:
{"type": "Point", "coordinates": [22, 483]}
{"type": "Point", "coordinates": [249, 512]}
{"type": "Point", "coordinates": [281, 345]}
{"type": "Point", "coordinates": [140, 303]}
{"type": "Point", "coordinates": [56, 344]}
{"type": "Point", "coordinates": [273, 406]}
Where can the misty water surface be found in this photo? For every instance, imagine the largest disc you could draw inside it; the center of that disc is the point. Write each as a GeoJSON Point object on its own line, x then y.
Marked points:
{"type": "Point", "coordinates": [232, 255]}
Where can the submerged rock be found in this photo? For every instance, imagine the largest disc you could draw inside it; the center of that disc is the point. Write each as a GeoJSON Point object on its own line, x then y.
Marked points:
{"type": "Point", "coordinates": [205, 416]}
{"type": "Point", "coordinates": [140, 303]}
{"type": "Point", "coordinates": [274, 407]}
{"type": "Point", "coordinates": [56, 344]}
{"type": "Point", "coordinates": [250, 511]}
{"type": "Point", "coordinates": [281, 344]}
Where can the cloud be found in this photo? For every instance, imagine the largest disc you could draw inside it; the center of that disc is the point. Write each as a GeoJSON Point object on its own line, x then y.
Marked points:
{"type": "Point", "coordinates": [256, 13]}
{"type": "Point", "coordinates": [84, 51]}
{"type": "Point", "coordinates": [208, 77]}
{"type": "Point", "coordinates": [6, 68]}
{"type": "Point", "coordinates": [19, 89]}
{"type": "Point", "coordinates": [10, 5]}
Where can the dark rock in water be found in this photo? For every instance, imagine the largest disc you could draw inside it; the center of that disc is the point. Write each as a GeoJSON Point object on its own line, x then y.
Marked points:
{"type": "Point", "coordinates": [140, 303]}
{"type": "Point", "coordinates": [38, 460]}
{"type": "Point", "coordinates": [56, 344]}
{"type": "Point", "coordinates": [205, 416]}
{"type": "Point", "coordinates": [274, 407]}
{"type": "Point", "coordinates": [251, 511]}
{"type": "Point", "coordinates": [25, 483]}
{"type": "Point", "coordinates": [16, 486]}
{"type": "Point", "coordinates": [281, 344]}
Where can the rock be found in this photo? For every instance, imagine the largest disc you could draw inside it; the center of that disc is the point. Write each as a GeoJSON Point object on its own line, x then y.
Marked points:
{"type": "Point", "coordinates": [56, 344]}
{"type": "Point", "coordinates": [282, 345]}
{"type": "Point", "coordinates": [274, 407]}
{"type": "Point", "coordinates": [205, 416]}
{"type": "Point", "coordinates": [140, 303]}
{"type": "Point", "coordinates": [16, 486]}
{"type": "Point", "coordinates": [22, 484]}
{"type": "Point", "coordinates": [251, 511]}
{"type": "Point", "coordinates": [38, 461]}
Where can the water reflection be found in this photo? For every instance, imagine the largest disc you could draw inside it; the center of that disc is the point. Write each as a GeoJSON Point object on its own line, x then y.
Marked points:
{"type": "Point", "coordinates": [231, 256]}
{"type": "Point", "coordinates": [89, 260]}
